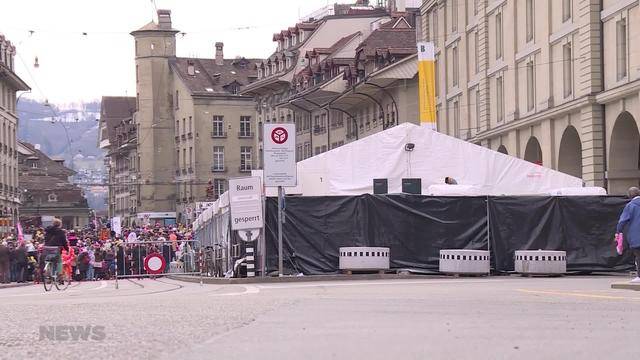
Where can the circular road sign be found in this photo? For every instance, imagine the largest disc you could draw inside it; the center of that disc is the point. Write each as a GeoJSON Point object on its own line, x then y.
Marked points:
{"type": "Point", "coordinates": [154, 264]}
{"type": "Point", "coordinates": [279, 135]}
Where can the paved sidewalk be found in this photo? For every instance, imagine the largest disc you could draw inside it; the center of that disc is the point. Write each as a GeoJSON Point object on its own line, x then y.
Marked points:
{"type": "Point", "coordinates": [14, 285]}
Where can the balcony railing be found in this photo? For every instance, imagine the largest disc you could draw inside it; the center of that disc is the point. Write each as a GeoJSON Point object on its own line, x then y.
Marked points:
{"type": "Point", "coordinates": [219, 135]}
{"type": "Point", "coordinates": [319, 129]}
{"type": "Point", "coordinates": [245, 134]}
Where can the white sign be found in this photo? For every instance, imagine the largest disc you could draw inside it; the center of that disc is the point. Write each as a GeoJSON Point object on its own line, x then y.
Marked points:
{"type": "Point", "coordinates": [116, 225]}
{"type": "Point", "coordinates": [245, 199]}
{"type": "Point", "coordinates": [280, 155]}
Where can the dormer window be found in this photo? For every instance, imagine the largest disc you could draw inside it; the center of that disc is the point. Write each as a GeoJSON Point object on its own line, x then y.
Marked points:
{"type": "Point", "coordinates": [259, 73]}
{"type": "Point", "coordinates": [294, 39]}
{"type": "Point", "coordinates": [52, 198]}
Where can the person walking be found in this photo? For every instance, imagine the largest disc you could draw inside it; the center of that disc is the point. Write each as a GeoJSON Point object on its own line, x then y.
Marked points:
{"type": "Point", "coordinates": [5, 273]}
{"type": "Point", "coordinates": [20, 258]}
{"type": "Point", "coordinates": [629, 224]}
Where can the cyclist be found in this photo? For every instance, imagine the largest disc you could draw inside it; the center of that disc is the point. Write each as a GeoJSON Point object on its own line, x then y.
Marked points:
{"type": "Point", "coordinates": [55, 239]}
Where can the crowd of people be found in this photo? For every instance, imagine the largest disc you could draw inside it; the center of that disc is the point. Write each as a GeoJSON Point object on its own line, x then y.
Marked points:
{"type": "Point", "coordinates": [91, 254]}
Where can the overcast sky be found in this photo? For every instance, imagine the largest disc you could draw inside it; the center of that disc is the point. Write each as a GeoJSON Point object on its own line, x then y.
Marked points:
{"type": "Point", "coordinates": [75, 67]}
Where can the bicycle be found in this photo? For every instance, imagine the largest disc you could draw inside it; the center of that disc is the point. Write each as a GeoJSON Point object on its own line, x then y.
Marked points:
{"type": "Point", "coordinates": [50, 275]}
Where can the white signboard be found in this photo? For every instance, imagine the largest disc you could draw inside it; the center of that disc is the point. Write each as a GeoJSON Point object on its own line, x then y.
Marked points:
{"type": "Point", "coordinates": [280, 155]}
{"type": "Point", "coordinates": [116, 225]}
{"type": "Point", "coordinates": [245, 198]}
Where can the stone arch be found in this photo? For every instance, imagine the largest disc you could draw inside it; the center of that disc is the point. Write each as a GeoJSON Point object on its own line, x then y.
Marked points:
{"type": "Point", "coordinates": [533, 151]}
{"type": "Point", "coordinates": [624, 154]}
{"type": "Point", "coordinates": [570, 155]}
{"type": "Point", "coordinates": [503, 149]}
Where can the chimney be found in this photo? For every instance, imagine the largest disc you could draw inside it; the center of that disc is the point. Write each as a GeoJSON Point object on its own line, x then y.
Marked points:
{"type": "Point", "coordinates": [219, 54]}
{"type": "Point", "coordinates": [164, 19]}
{"type": "Point", "coordinates": [401, 6]}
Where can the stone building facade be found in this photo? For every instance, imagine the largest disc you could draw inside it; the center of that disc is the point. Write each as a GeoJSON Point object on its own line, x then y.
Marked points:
{"type": "Point", "coordinates": [47, 191]}
{"type": "Point", "coordinates": [340, 77]}
{"type": "Point", "coordinates": [10, 84]}
{"type": "Point", "coordinates": [118, 138]}
{"type": "Point", "coordinates": [193, 128]}
{"type": "Point", "coordinates": [555, 82]}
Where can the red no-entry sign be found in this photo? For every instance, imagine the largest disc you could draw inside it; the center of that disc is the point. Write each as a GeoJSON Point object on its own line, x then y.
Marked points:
{"type": "Point", "coordinates": [154, 264]}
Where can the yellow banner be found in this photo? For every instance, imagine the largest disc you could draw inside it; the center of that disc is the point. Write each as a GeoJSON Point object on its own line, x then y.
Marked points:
{"type": "Point", "coordinates": [427, 84]}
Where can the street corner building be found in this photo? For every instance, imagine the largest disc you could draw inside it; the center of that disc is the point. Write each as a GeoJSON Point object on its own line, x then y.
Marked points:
{"type": "Point", "coordinates": [185, 133]}
{"type": "Point", "coordinates": [48, 192]}
{"type": "Point", "coordinates": [10, 84]}
{"type": "Point", "coordinates": [553, 82]}
{"type": "Point", "coordinates": [118, 137]}
{"type": "Point", "coordinates": [343, 72]}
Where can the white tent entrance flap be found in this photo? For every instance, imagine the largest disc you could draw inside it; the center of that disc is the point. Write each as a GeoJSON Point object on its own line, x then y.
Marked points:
{"type": "Point", "coordinates": [350, 169]}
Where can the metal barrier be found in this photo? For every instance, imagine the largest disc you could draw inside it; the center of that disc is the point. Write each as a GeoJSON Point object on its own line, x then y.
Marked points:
{"type": "Point", "coordinates": [158, 258]}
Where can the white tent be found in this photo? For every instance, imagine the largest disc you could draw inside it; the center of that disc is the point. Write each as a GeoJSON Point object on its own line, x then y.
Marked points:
{"type": "Point", "coordinates": [350, 169]}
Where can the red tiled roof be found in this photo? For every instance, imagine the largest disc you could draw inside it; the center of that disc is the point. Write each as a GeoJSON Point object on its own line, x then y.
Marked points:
{"type": "Point", "coordinates": [209, 75]}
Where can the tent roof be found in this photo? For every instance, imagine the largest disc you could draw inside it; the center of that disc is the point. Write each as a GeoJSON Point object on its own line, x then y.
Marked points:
{"type": "Point", "coordinates": [350, 169]}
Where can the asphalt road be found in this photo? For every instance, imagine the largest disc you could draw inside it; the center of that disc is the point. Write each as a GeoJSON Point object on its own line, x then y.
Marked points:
{"type": "Point", "coordinates": [426, 318]}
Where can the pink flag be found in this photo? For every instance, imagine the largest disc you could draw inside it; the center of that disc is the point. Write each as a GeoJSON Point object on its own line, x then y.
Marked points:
{"type": "Point", "coordinates": [20, 234]}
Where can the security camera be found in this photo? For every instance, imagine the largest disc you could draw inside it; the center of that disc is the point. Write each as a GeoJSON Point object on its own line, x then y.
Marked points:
{"type": "Point", "coordinates": [409, 147]}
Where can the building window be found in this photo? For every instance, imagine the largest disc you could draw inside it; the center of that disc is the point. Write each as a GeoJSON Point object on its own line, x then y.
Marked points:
{"type": "Point", "coordinates": [437, 76]}
{"type": "Point", "coordinates": [184, 125]}
{"type": "Point", "coordinates": [456, 118]}
{"type": "Point", "coordinates": [218, 158]}
{"type": "Point", "coordinates": [478, 108]}
{"type": "Point", "coordinates": [499, 99]}
{"type": "Point", "coordinates": [245, 126]}
{"type": "Point", "coordinates": [566, 10]}
{"type": "Point", "coordinates": [177, 100]}
{"type": "Point", "coordinates": [621, 49]}
{"type": "Point", "coordinates": [190, 124]}
{"type": "Point", "coordinates": [435, 27]}
{"type": "Point", "coordinates": [218, 187]}
{"type": "Point", "coordinates": [476, 60]}
{"type": "Point", "coordinates": [245, 158]}
{"type": "Point", "coordinates": [136, 74]}
{"type": "Point", "coordinates": [529, 20]}
{"type": "Point", "coordinates": [454, 15]}
{"type": "Point", "coordinates": [531, 90]}
{"type": "Point", "coordinates": [307, 150]}
{"type": "Point", "coordinates": [499, 36]}
{"type": "Point", "coordinates": [455, 66]}
{"type": "Point", "coordinates": [566, 69]}
{"type": "Point", "coordinates": [475, 7]}
{"type": "Point", "coordinates": [218, 126]}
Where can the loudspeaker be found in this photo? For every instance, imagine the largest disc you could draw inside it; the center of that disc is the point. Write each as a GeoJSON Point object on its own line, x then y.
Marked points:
{"type": "Point", "coordinates": [412, 186]}
{"type": "Point", "coordinates": [380, 186]}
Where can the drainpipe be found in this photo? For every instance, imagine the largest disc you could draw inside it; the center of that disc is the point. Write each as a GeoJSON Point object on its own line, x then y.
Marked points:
{"type": "Point", "coordinates": [605, 180]}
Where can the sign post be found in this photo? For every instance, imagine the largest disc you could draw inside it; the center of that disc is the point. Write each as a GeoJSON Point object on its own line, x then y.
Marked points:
{"type": "Point", "coordinates": [280, 169]}
{"type": "Point", "coordinates": [245, 201]}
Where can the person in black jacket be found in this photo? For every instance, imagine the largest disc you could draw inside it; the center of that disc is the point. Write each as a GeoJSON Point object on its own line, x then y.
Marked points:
{"type": "Point", "coordinates": [55, 236]}
{"type": "Point", "coordinates": [20, 256]}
